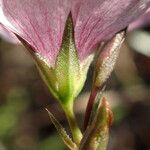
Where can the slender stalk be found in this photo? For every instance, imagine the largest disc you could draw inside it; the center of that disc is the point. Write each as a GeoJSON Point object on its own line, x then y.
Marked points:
{"type": "Point", "coordinates": [76, 133]}
{"type": "Point", "coordinates": [89, 107]}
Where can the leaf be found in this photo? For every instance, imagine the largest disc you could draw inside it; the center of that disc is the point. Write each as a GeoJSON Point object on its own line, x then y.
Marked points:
{"type": "Point", "coordinates": [66, 139]}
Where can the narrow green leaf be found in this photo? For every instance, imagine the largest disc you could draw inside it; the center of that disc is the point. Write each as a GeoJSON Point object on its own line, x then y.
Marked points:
{"type": "Point", "coordinates": [66, 139]}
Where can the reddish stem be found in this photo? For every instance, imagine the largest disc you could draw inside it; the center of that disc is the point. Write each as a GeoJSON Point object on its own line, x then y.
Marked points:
{"type": "Point", "coordinates": [90, 106]}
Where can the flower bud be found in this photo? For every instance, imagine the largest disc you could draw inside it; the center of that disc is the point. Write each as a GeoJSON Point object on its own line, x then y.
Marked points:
{"type": "Point", "coordinates": [107, 59]}
{"type": "Point", "coordinates": [66, 78]}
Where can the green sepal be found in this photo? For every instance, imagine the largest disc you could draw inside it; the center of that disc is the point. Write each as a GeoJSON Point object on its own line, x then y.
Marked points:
{"type": "Point", "coordinates": [67, 69]}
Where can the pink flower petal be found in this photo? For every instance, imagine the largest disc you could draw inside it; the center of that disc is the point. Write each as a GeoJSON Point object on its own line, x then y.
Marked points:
{"type": "Point", "coordinates": [40, 22]}
{"type": "Point", "coordinates": [98, 20]}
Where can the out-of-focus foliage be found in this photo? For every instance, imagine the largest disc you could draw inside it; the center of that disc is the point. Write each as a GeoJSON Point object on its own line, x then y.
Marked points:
{"type": "Point", "coordinates": [9, 112]}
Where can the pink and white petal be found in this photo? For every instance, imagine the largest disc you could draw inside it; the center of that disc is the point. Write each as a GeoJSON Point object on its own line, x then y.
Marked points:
{"type": "Point", "coordinates": [98, 20]}
{"type": "Point", "coordinates": [40, 22]}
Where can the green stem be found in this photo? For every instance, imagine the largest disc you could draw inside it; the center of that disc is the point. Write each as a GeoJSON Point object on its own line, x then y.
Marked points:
{"type": "Point", "coordinates": [76, 133]}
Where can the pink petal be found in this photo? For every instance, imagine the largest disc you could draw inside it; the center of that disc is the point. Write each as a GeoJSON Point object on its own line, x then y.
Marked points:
{"type": "Point", "coordinates": [98, 20]}
{"type": "Point", "coordinates": [40, 22]}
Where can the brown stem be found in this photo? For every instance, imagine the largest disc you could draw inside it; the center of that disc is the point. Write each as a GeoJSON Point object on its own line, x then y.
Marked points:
{"type": "Point", "coordinates": [90, 106]}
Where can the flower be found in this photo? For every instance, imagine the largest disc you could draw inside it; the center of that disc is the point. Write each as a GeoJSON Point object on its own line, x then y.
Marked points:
{"type": "Point", "coordinates": [41, 22]}
{"type": "Point", "coordinates": [62, 36]}
{"type": "Point", "coordinates": [66, 45]}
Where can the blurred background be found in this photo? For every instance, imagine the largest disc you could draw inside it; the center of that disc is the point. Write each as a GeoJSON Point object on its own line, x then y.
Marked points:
{"type": "Point", "coordinates": [24, 123]}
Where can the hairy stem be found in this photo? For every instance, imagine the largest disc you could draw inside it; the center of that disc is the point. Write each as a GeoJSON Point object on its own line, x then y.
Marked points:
{"type": "Point", "coordinates": [76, 133]}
